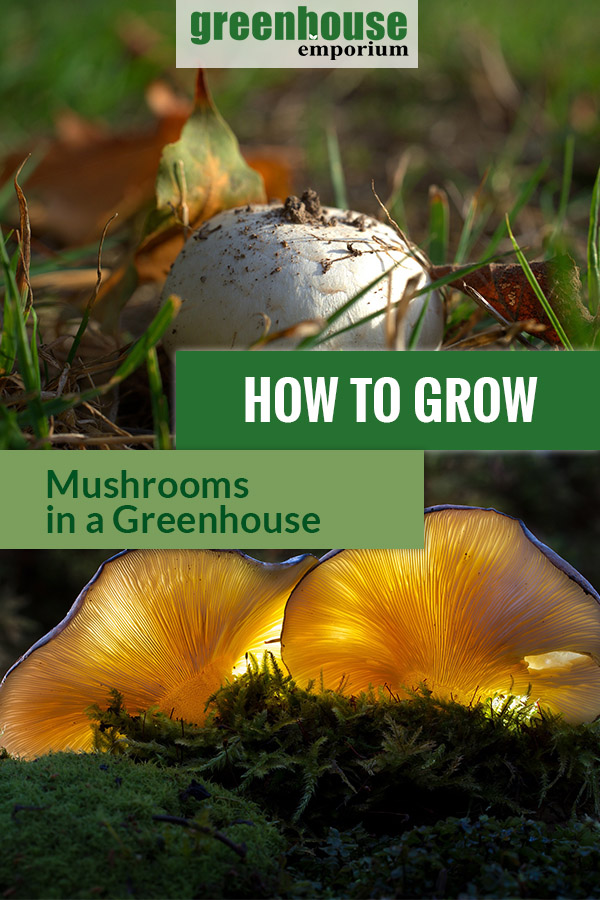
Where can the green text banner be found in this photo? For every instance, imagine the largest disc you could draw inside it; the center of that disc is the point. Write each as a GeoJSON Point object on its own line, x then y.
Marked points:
{"type": "Point", "coordinates": [219, 499]}
{"type": "Point", "coordinates": [427, 401]}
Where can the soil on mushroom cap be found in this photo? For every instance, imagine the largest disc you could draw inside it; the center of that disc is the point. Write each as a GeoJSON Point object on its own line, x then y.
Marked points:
{"type": "Point", "coordinates": [307, 210]}
{"type": "Point", "coordinates": [304, 211]}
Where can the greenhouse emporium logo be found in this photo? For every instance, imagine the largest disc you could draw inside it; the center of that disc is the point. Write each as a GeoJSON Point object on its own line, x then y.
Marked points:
{"type": "Point", "coordinates": [268, 34]}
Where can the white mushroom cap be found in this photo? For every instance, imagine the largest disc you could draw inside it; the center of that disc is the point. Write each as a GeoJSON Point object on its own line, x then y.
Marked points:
{"type": "Point", "coordinates": [291, 265]}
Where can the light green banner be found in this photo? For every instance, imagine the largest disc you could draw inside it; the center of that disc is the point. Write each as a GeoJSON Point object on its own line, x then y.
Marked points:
{"type": "Point", "coordinates": [220, 499]}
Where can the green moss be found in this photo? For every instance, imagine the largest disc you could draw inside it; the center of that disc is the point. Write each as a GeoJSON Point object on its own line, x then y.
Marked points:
{"type": "Point", "coordinates": [318, 758]}
{"type": "Point", "coordinates": [485, 857]}
{"type": "Point", "coordinates": [373, 796]}
{"type": "Point", "coordinates": [85, 825]}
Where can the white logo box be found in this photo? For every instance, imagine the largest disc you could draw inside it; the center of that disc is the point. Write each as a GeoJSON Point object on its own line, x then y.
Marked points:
{"type": "Point", "coordinates": [283, 35]}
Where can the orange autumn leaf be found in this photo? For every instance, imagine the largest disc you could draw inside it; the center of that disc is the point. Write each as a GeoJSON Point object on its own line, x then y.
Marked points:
{"type": "Point", "coordinates": [86, 173]}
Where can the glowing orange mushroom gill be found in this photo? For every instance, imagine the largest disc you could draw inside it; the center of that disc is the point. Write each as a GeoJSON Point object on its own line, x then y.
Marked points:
{"type": "Point", "coordinates": [484, 609]}
{"type": "Point", "coordinates": [165, 628]}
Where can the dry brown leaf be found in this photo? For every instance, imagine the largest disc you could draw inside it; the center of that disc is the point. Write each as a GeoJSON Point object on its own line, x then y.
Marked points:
{"type": "Point", "coordinates": [85, 176]}
{"type": "Point", "coordinates": [87, 173]}
{"type": "Point", "coordinates": [506, 288]}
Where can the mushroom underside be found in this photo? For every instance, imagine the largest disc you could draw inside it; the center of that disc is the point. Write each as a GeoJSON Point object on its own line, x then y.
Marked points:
{"type": "Point", "coordinates": [164, 628]}
{"type": "Point", "coordinates": [482, 610]}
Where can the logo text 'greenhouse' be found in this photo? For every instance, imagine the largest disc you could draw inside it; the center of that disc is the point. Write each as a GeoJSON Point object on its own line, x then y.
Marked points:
{"type": "Point", "coordinates": [271, 34]}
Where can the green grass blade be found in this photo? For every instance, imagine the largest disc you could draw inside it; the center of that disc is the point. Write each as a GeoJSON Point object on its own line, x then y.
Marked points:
{"type": "Point", "coordinates": [466, 235]}
{"type": "Point", "coordinates": [80, 332]}
{"type": "Point", "coordinates": [8, 345]}
{"type": "Point", "coordinates": [30, 377]}
{"type": "Point", "coordinates": [439, 225]}
{"type": "Point", "coordinates": [593, 250]}
{"type": "Point", "coordinates": [538, 291]}
{"type": "Point", "coordinates": [566, 179]}
{"type": "Point", "coordinates": [33, 350]}
{"type": "Point", "coordinates": [90, 304]}
{"type": "Point", "coordinates": [9, 267]}
{"type": "Point", "coordinates": [321, 337]}
{"type": "Point", "coordinates": [336, 169]}
{"type": "Point", "coordinates": [523, 198]}
{"type": "Point", "coordinates": [160, 407]}
{"type": "Point", "coordinates": [136, 357]}
{"type": "Point", "coordinates": [17, 343]}
{"type": "Point", "coordinates": [554, 243]}
{"type": "Point", "coordinates": [416, 332]}
{"type": "Point", "coordinates": [150, 339]}
{"type": "Point", "coordinates": [30, 374]}
{"type": "Point", "coordinates": [11, 436]}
